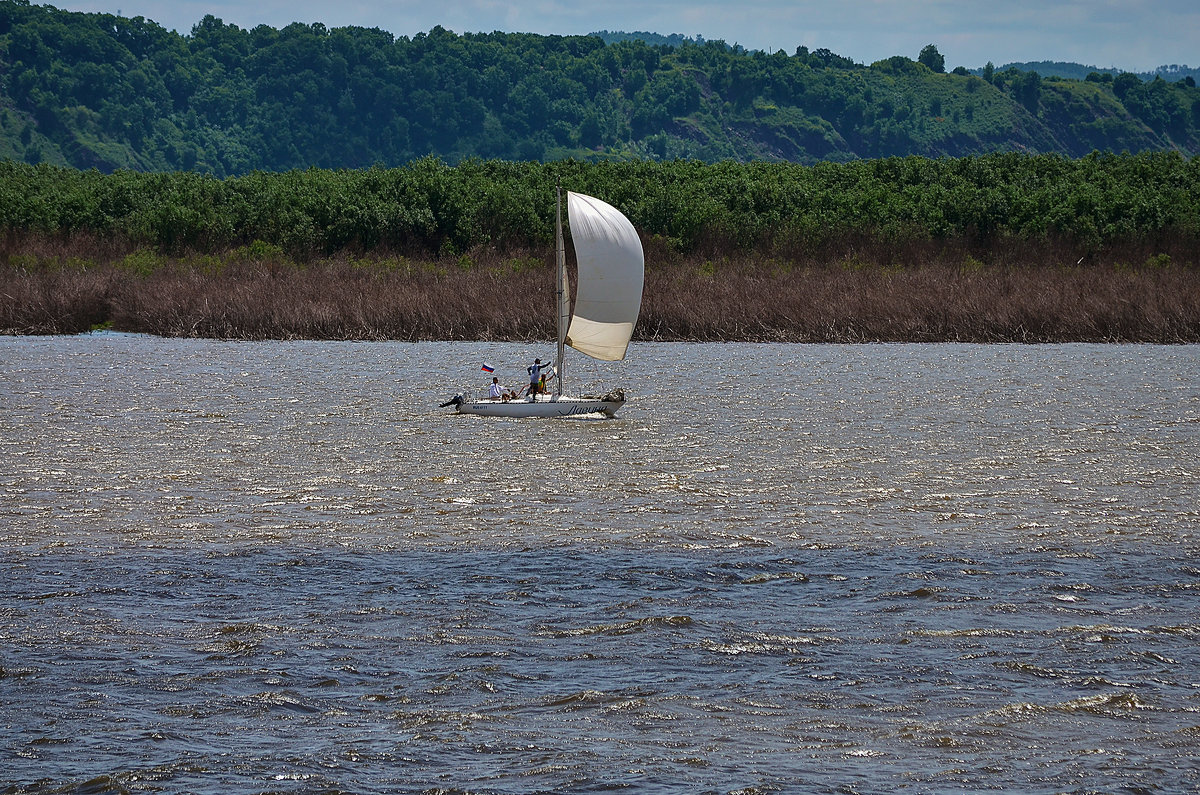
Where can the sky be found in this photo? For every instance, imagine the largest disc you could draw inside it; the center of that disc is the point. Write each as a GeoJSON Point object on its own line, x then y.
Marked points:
{"type": "Point", "coordinates": [1134, 35]}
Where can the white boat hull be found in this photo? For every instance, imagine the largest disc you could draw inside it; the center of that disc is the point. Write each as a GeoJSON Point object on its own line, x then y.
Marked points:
{"type": "Point", "coordinates": [544, 406]}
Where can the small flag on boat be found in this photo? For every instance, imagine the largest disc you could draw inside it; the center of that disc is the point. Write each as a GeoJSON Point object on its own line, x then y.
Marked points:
{"type": "Point", "coordinates": [487, 368]}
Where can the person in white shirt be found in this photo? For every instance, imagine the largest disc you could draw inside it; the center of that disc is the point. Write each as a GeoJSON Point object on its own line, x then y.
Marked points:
{"type": "Point", "coordinates": [535, 378]}
{"type": "Point", "coordinates": [497, 392]}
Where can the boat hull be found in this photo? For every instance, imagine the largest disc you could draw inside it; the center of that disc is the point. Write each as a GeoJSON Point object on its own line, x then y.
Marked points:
{"type": "Point", "coordinates": [544, 406]}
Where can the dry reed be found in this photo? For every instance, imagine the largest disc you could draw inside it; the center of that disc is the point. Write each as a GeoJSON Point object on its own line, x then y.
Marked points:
{"type": "Point", "coordinates": [49, 287]}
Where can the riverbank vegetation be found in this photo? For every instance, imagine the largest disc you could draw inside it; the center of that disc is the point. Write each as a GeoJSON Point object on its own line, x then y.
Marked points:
{"type": "Point", "coordinates": [511, 299]}
{"type": "Point", "coordinates": [1003, 247]}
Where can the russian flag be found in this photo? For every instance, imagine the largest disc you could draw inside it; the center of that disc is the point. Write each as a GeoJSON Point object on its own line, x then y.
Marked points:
{"type": "Point", "coordinates": [487, 368]}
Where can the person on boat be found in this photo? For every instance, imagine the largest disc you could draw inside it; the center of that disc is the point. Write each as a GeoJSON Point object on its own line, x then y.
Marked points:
{"type": "Point", "coordinates": [497, 392]}
{"type": "Point", "coordinates": [535, 378]}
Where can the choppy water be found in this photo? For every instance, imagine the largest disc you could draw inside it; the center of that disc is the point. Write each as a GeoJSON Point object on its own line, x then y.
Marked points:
{"type": "Point", "coordinates": [278, 567]}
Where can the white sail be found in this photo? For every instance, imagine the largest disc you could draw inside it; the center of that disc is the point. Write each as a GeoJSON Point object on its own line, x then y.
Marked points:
{"type": "Point", "coordinates": [611, 268]}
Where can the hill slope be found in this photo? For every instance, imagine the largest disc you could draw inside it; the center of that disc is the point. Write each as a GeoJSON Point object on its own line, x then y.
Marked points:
{"type": "Point", "coordinates": [103, 91]}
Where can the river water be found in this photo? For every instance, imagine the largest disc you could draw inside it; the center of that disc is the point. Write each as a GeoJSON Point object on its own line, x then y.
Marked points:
{"type": "Point", "coordinates": [279, 567]}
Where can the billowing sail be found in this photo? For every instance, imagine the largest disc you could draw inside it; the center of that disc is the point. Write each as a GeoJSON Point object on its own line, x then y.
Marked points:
{"type": "Point", "coordinates": [611, 267]}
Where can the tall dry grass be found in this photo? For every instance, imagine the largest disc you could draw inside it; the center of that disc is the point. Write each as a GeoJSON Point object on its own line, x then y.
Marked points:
{"type": "Point", "coordinates": [337, 299]}
{"type": "Point", "coordinates": [58, 288]}
{"type": "Point", "coordinates": [923, 304]}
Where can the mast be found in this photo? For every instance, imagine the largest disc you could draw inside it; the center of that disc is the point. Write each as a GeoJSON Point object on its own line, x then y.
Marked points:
{"type": "Point", "coordinates": [561, 283]}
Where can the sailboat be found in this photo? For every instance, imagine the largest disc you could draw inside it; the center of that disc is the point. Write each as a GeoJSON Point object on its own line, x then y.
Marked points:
{"type": "Point", "coordinates": [608, 296]}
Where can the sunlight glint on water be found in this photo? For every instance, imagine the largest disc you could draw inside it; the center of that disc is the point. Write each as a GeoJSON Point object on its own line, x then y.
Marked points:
{"type": "Point", "coordinates": [279, 567]}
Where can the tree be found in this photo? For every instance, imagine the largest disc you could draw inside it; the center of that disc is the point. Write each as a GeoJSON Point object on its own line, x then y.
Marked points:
{"type": "Point", "coordinates": [1124, 83]}
{"type": "Point", "coordinates": [932, 58]}
{"type": "Point", "coordinates": [1027, 88]}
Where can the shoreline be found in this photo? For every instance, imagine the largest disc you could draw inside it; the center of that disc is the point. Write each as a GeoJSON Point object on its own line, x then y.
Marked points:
{"type": "Point", "coordinates": [111, 332]}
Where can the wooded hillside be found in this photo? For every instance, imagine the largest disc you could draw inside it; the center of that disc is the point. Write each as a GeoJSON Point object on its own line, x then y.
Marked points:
{"type": "Point", "coordinates": [103, 91]}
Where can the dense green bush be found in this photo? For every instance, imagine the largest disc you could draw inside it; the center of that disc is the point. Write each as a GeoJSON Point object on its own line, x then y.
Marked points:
{"type": "Point", "coordinates": [429, 208]}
